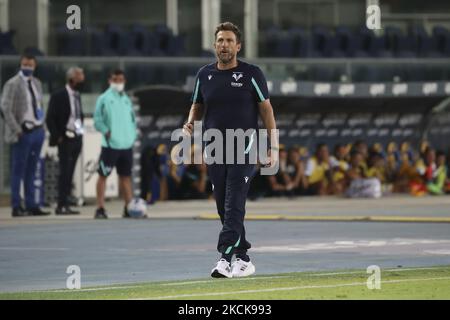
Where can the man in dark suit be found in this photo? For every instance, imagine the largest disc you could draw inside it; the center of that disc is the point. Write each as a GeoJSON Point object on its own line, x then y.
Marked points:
{"type": "Point", "coordinates": [65, 123]}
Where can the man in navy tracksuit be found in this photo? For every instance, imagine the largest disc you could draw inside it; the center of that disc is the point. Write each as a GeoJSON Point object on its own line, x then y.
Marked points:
{"type": "Point", "coordinates": [230, 94]}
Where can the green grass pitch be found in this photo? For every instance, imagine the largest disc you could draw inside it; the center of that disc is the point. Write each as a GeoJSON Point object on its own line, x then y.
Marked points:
{"type": "Point", "coordinates": [400, 283]}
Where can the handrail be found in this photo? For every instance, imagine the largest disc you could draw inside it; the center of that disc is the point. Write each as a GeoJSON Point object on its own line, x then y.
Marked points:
{"type": "Point", "coordinates": [194, 60]}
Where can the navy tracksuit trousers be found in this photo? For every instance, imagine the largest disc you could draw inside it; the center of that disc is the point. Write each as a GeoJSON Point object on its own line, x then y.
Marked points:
{"type": "Point", "coordinates": [231, 183]}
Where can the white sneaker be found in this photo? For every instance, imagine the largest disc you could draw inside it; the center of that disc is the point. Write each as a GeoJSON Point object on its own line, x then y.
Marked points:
{"type": "Point", "coordinates": [240, 268]}
{"type": "Point", "coordinates": [222, 269]}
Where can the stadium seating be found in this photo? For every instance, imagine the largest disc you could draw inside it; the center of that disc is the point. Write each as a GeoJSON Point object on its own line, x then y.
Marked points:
{"type": "Point", "coordinates": [441, 41]}
{"type": "Point", "coordinates": [139, 41]}
{"type": "Point", "coordinates": [345, 42]}
{"type": "Point", "coordinates": [70, 43]}
{"type": "Point", "coordinates": [6, 43]}
{"type": "Point", "coordinates": [320, 42]}
{"type": "Point", "coordinates": [116, 40]}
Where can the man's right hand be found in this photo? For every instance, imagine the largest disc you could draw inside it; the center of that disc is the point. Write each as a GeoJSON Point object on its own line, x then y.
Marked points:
{"type": "Point", "coordinates": [273, 157]}
{"type": "Point", "coordinates": [108, 135]}
{"type": "Point", "coordinates": [188, 128]}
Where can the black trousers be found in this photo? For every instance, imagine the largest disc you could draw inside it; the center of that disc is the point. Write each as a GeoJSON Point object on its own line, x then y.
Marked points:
{"type": "Point", "coordinates": [230, 185]}
{"type": "Point", "coordinates": [68, 152]}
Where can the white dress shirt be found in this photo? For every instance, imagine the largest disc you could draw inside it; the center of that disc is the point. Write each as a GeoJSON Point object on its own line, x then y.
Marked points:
{"type": "Point", "coordinates": [73, 115]}
{"type": "Point", "coordinates": [29, 115]}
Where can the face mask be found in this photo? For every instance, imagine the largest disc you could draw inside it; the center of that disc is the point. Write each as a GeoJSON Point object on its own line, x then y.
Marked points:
{"type": "Point", "coordinates": [27, 71]}
{"type": "Point", "coordinates": [119, 87]}
{"type": "Point", "coordinates": [79, 86]}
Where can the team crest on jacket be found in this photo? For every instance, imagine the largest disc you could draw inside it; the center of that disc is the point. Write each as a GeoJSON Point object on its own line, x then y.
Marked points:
{"type": "Point", "coordinates": [236, 76]}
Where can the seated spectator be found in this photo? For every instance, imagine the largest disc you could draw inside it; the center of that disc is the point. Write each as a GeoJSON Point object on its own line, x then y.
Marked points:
{"type": "Point", "coordinates": [376, 167]}
{"type": "Point", "coordinates": [339, 165]}
{"type": "Point", "coordinates": [163, 158]}
{"type": "Point", "coordinates": [259, 186]}
{"type": "Point", "coordinates": [426, 167]}
{"type": "Point", "coordinates": [149, 172]}
{"type": "Point", "coordinates": [193, 183]}
{"type": "Point", "coordinates": [359, 185]}
{"type": "Point", "coordinates": [378, 148]}
{"type": "Point", "coordinates": [304, 154]}
{"type": "Point", "coordinates": [361, 147]}
{"type": "Point", "coordinates": [392, 158]}
{"type": "Point", "coordinates": [404, 175]}
{"type": "Point", "coordinates": [357, 167]}
{"type": "Point", "coordinates": [280, 184]}
{"type": "Point", "coordinates": [438, 182]}
{"type": "Point", "coordinates": [318, 172]}
{"type": "Point", "coordinates": [175, 176]}
{"type": "Point", "coordinates": [424, 145]}
{"type": "Point", "coordinates": [295, 170]}
{"type": "Point", "coordinates": [405, 148]}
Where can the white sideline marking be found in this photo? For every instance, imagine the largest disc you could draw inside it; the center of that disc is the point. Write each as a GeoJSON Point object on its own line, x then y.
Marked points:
{"type": "Point", "coordinates": [90, 289]}
{"type": "Point", "coordinates": [349, 245]}
{"type": "Point", "coordinates": [312, 275]}
{"type": "Point", "coordinates": [33, 249]}
{"type": "Point", "coordinates": [285, 289]}
{"type": "Point", "coordinates": [164, 284]}
{"type": "Point", "coordinates": [383, 270]}
{"type": "Point", "coordinates": [212, 280]}
{"type": "Point", "coordinates": [438, 251]}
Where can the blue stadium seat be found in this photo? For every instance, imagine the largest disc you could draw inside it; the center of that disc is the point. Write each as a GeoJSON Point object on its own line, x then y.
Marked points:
{"type": "Point", "coordinates": [322, 44]}
{"type": "Point", "coordinates": [399, 44]}
{"type": "Point", "coordinates": [272, 38]}
{"type": "Point", "coordinates": [6, 43]}
{"type": "Point", "coordinates": [163, 38]}
{"type": "Point", "coordinates": [138, 41]}
{"type": "Point", "coordinates": [300, 42]}
{"type": "Point", "coordinates": [363, 39]}
{"type": "Point", "coordinates": [422, 41]}
{"type": "Point", "coordinates": [379, 48]}
{"type": "Point", "coordinates": [70, 42]}
{"type": "Point", "coordinates": [285, 46]}
{"type": "Point", "coordinates": [154, 49]}
{"type": "Point", "coordinates": [369, 45]}
{"type": "Point", "coordinates": [116, 40]}
{"type": "Point", "coordinates": [176, 46]}
{"type": "Point", "coordinates": [441, 41]}
{"type": "Point", "coordinates": [345, 42]}
{"type": "Point", "coordinates": [97, 42]}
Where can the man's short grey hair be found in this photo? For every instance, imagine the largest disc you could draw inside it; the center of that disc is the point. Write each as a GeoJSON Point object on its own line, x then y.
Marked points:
{"type": "Point", "coordinates": [71, 72]}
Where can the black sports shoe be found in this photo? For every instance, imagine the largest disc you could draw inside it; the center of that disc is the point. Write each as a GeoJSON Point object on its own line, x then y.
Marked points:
{"type": "Point", "coordinates": [19, 212]}
{"type": "Point", "coordinates": [100, 213]}
{"type": "Point", "coordinates": [66, 210]}
{"type": "Point", "coordinates": [37, 212]}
